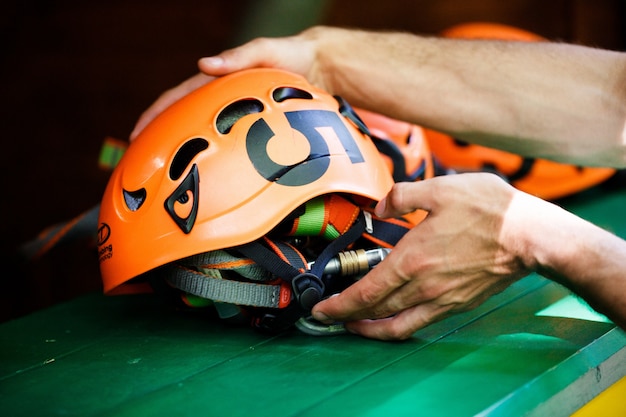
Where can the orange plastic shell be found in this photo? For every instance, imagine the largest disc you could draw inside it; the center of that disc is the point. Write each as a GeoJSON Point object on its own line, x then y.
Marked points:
{"type": "Point", "coordinates": [235, 203]}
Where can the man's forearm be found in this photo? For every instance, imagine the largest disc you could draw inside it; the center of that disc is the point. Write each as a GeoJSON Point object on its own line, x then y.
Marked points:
{"type": "Point", "coordinates": [569, 250]}
{"type": "Point", "coordinates": [558, 101]}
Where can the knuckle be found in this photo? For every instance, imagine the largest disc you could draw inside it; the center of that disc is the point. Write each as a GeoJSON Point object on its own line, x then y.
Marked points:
{"type": "Point", "coordinates": [260, 41]}
{"type": "Point", "coordinates": [398, 330]}
{"type": "Point", "coordinates": [396, 196]}
{"type": "Point", "coordinates": [314, 31]}
{"type": "Point", "coordinates": [429, 292]}
{"type": "Point", "coordinates": [261, 46]}
{"type": "Point", "coordinates": [368, 295]}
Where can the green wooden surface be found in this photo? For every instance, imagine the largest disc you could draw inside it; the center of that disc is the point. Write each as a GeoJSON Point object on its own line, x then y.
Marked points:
{"type": "Point", "coordinates": [133, 356]}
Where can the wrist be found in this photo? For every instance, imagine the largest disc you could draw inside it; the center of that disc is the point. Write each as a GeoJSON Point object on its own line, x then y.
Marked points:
{"type": "Point", "coordinates": [531, 232]}
{"type": "Point", "coordinates": [551, 241]}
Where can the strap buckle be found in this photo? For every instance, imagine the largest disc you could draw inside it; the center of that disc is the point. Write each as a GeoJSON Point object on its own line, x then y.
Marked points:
{"type": "Point", "coordinates": [308, 290]}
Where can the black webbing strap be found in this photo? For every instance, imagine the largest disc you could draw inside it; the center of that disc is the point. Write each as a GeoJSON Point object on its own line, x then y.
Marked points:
{"type": "Point", "coordinates": [387, 232]}
{"type": "Point", "coordinates": [386, 147]}
{"type": "Point", "coordinates": [523, 171]}
{"type": "Point", "coordinates": [342, 242]}
{"type": "Point", "coordinates": [389, 148]}
{"type": "Point", "coordinates": [262, 255]}
{"type": "Point", "coordinates": [84, 226]}
{"type": "Point", "coordinates": [308, 287]}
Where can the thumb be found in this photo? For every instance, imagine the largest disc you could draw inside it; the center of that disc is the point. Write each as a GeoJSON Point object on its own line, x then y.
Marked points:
{"type": "Point", "coordinates": [320, 312]}
{"type": "Point", "coordinates": [254, 54]}
{"type": "Point", "coordinates": [406, 197]}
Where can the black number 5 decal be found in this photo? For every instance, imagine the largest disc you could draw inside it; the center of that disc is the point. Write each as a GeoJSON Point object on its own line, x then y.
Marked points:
{"type": "Point", "coordinates": [316, 164]}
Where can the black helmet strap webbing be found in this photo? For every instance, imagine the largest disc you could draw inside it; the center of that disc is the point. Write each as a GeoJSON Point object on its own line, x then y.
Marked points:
{"type": "Point", "coordinates": [307, 287]}
{"type": "Point", "coordinates": [304, 286]}
{"type": "Point", "coordinates": [281, 259]}
{"type": "Point", "coordinates": [84, 226]}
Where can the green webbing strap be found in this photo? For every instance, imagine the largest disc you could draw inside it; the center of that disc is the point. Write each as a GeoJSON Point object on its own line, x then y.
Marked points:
{"type": "Point", "coordinates": [313, 221]}
{"type": "Point", "coordinates": [111, 152]}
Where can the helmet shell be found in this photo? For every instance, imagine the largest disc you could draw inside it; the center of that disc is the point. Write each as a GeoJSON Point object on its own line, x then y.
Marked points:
{"type": "Point", "coordinates": [223, 166]}
{"type": "Point", "coordinates": [409, 138]}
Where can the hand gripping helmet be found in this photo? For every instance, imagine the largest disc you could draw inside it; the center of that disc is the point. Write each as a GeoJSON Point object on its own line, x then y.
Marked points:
{"type": "Point", "coordinates": [252, 191]}
{"type": "Point", "coordinates": [540, 177]}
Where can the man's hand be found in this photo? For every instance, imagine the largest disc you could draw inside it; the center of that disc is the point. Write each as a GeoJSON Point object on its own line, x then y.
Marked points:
{"type": "Point", "coordinates": [168, 98]}
{"type": "Point", "coordinates": [451, 262]}
{"type": "Point", "coordinates": [296, 54]}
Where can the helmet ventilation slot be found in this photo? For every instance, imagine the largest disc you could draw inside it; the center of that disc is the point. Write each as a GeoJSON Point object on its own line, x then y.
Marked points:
{"type": "Point", "coordinates": [134, 199]}
{"type": "Point", "coordinates": [235, 111]}
{"type": "Point", "coordinates": [185, 155]}
{"type": "Point", "coordinates": [286, 93]}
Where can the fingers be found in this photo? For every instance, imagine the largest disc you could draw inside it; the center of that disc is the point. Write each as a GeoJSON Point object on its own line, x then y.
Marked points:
{"type": "Point", "coordinates": [295, 54]}
{"type": "Point", "coordinates": [434, 194]}
{"type": "Point", "coordinates": [407, 197]}
{"type": "Point", "coordinates": [367, 298]}
{"type": "Point", "coordinates": [167, 99]}
{"type": "Point", "coordinates": [246, 56]}
{"type": "Point", "coordinates": [450, 262]}
{"type": "Point", "coordinates": [249, 55]}
{"type": "Point", "coordinates": [289, 53]}
{"type": "Point", "coordinates": [401, 326]}
{"type": "Point", "coordinates": [354, 303]}
{"type": "Point", "coordinates": [381, 305]}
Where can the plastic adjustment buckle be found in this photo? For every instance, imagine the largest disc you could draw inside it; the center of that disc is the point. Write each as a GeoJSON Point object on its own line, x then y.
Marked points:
{"type": "Point", "coordinates": [274, 323]}
{"type": "Point", "coordinates": [268, 323]}
{"type": "Point", "coordinates": [308, 290]}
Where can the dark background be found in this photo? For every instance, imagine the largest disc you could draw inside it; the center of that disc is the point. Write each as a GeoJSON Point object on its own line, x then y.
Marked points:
{"type": "Point", "coordinates": [74, 72]}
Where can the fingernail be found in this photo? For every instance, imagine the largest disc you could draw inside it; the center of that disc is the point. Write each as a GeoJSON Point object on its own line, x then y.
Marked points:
{"type": "Point", "coordinates": [380, 207]}
{"type": "Point", "coordinates": [321, 317]}
{"type": "Point", "coordinates": [212, 61]}
{"type": "Point", "coordinates": [133, 135]}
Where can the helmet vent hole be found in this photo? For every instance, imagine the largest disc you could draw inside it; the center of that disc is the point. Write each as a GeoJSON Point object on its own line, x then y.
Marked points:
{"type": "Point", "coordinates": [286, 93]}
{"type": "Point", "coordinates": [185, 155]}
{"type": "Point", "coordinates": [134, 199]}
{"type": "Point", "coordinates": [235, 111]}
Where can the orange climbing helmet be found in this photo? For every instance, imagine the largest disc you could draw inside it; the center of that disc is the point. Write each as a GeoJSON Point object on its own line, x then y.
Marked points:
{"type": "Point", "coordinates": [224, 165]}
{"type": "Point", "coordinates": [225, 179]}
{"type": "Point", "coordinates": [540, 177]}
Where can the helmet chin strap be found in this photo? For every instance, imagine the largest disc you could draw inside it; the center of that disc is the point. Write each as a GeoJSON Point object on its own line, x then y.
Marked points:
{"type": "Point", "coordinates": [278, 304]}
{"type": "Point", "coordinates": [281, 288]}
{"type": "Point", "coordinates": [307, 286]}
